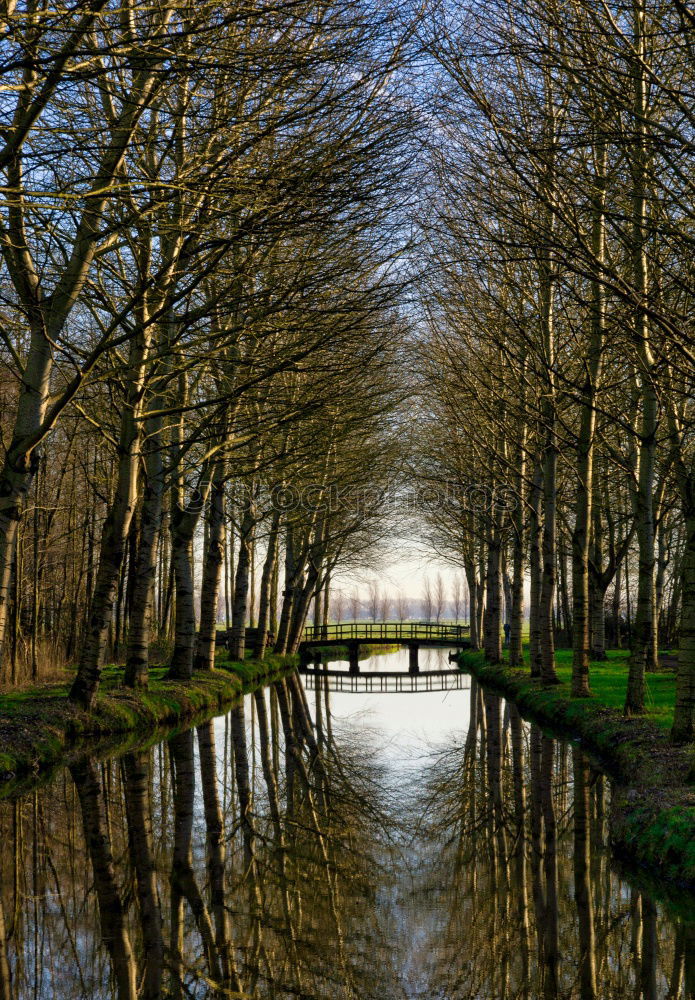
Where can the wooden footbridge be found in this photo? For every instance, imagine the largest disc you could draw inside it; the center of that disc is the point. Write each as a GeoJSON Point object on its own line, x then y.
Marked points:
{"type": "Point", "coordinates": [354, 634]}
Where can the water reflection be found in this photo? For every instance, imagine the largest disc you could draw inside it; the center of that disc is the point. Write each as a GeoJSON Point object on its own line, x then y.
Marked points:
{"type": "Point", "coordinates": [515, 880]}
{"type": "Point", "coordinates": [279, 852]}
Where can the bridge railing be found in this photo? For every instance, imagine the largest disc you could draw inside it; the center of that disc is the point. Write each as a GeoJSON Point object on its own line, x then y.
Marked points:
{"type": "Point", "coordinates": [364, 631]}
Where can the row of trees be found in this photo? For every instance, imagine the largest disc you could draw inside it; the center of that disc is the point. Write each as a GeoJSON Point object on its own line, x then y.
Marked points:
{"type": "Point", "coordinates": [557, 304]}
{"type": "Point", "coordinates": [197, 327]}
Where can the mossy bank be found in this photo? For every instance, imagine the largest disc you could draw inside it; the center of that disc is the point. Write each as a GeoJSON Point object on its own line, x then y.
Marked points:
{"type": "Point", "coordinates": [40, 728]}
{"type": "Point", "coordinates": [653, 802]}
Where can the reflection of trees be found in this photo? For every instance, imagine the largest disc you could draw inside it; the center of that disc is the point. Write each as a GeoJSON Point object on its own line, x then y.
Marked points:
{"type": "Point", "coordinates": [251, 858]}
{"type": "Point", "coordinates": [112, 911]}
{"type": "Point", "coordinates": [513, 850]}
{"type": "Point", "coordinates": [243, 859]}
{"type": "Point", "coordinates": [136, 792]}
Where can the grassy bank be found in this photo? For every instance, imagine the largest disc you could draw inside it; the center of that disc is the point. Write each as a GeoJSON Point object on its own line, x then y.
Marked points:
{"type": "Point", "coordinates": [39, 728]}
{"type": "Point", "coordinates": [653, 808]}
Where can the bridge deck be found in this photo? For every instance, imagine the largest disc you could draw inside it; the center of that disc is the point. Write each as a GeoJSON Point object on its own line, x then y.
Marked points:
{"type": "Point", "coordinates": [385, 632]}
{"type": "Point", "coordinates": [394, 682]}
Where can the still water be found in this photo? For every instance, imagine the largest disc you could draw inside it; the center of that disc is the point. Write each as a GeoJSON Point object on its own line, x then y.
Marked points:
{"type": "Point", "coordinates": [318, 843]}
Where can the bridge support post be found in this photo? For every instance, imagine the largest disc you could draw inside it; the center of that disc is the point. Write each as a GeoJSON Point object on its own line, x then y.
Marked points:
{"type": "Point", "coordinates": [413, 665]}
{"type": "Point", "coordinates": [353, 653]}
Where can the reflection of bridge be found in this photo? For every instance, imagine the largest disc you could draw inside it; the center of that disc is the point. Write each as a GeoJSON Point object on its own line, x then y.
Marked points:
{"type": "Point", "coordinates": [410, 634]}
{"type": "Point", "coordinates": [385, 682]}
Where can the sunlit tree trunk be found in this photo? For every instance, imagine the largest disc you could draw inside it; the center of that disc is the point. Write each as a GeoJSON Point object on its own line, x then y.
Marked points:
{"type": "Point", "coordinates": [182, 528]}
{"type": "Point", "coordinates": [140, 630]}
{"type": "Point", "coordinates": [115, 534]}
{"type": "Point", "coordinates": [644, 488]}
{"type": "Point", "coordinates": [266, 595]}
{"type": "Point", "coordinates": [289, 591]}
{"type": "Point", "coordinates": [518, 568]}
{"type": "Point", "coordinates": [586, 438]}
{"type": "Point", "coordinates": [535, 571]}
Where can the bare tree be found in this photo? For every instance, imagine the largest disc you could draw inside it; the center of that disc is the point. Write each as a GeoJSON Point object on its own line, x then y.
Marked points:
{"type": "Point", "coordinates": [355, 606]}
{"type": "Point", "coordinates": [427, 599]}
{"type": "Point", "coordinates": [457, 597]}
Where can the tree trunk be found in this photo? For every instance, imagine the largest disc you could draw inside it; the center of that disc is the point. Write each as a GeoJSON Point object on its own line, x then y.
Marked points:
{"type": "Point", "coordinates": [265, 597]}
{"type": "Point", "coordinates": [683, 729]}
{"type": "Point", "coordinates": [140, 631]}
{"type": "Point", "coordinates": [643, 497]}
{"type": "Point", "coordinates": [237, 646]}
{"type": "Point", "coordinates": [183, 880]}
{"type": "Point", "coordinates": [22, 460]}
{"type": "Point", "coordinates": [210, 588]}
{"type": "Point", "coordinates": [615, 609]}
{"type": "Point", "coordinates": [469, 568]}
{"type": "Point", "coordinates": [535, 572]}
{"type": "Point", "coordinates": [301, 609]}
{"type": "Point", "coordinates": [547, 595]}
{"type": "Point", "coordinates": [182, 529]}
{"type": "Point", "coordinates": [585, 442]}
{"type": "Point", "coordinates": [662, 561]}
{"type": "Point", "coordinates": [493, 600]}
{"type": "Point", "coordinates": [598, 621]}
{"type": "Point", "coordinates": [182, 525]}
{"type": "Point", "coordinates": [288, 596]}
{"type": "Point", "coordinates": [113, 543]}
{"type": "Point", "coordinates": [507, 590]}
{"type": "Point", "coordinates": [47, 315]}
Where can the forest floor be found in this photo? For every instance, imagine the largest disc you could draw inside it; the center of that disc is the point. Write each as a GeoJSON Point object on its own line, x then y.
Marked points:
{"type": "Point", "coordinates": [653, 803]}
{"type": "Point", "coordinates": [40, 729]}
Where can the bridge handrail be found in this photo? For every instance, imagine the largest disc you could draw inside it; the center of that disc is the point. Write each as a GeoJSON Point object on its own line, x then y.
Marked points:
{"type": "Point", "coordinates": [384, 630]}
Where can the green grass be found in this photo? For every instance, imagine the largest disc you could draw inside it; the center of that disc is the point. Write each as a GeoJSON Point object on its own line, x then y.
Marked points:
{"type": "Point", "coordinates": [38, 725]}
{"type": "Point", "coordinates": [608, 681]}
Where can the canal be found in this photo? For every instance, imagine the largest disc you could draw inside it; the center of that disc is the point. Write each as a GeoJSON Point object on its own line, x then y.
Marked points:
{"type": "Point", "coordinates": [319, 842]}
